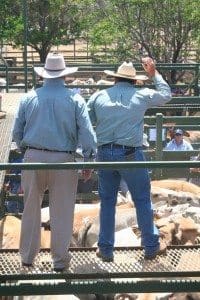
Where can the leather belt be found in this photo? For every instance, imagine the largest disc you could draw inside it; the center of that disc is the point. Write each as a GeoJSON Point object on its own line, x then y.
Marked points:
{"type": "Point", "coordinates": [48, 150]}
{"type": "Point", "coordinates": [117, 146]}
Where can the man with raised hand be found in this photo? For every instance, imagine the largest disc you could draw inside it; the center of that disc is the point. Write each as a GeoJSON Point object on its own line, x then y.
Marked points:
{"type": "Point", "coordinates": [118, 113]}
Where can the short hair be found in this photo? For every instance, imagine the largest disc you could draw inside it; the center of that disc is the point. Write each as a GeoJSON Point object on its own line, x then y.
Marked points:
{"type": "Point", "coordinates": [122, 79]}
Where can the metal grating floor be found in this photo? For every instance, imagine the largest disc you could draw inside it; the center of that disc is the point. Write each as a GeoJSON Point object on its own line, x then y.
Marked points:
{"type": "Point", "coordinates": [180, 261]}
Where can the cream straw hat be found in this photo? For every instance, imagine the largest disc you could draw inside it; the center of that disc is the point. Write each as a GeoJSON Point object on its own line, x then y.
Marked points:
{"type": "Point", "coordinates": [54, 67]}
{"type": "Point", "coordinates": [126, 70]}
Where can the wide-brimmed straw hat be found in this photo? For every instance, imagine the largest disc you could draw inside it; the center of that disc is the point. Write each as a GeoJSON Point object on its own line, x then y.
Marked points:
{"type": "Point", "coordinates": [54, 67]}
{"type": "Point", "coordinates": [126, 70]}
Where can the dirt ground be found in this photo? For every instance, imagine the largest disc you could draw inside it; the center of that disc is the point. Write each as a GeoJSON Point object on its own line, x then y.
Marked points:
{"type": "Point", "coordinates": [74, 51]}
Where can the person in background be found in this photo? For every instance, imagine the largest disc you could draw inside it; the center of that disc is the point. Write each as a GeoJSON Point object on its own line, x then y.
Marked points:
{"type": "Point", "coordinates": [118, 113]}
{"type": "Point", "coordinates": [178, 143]}
{"type": "Point", "coordinates": [50, 122]}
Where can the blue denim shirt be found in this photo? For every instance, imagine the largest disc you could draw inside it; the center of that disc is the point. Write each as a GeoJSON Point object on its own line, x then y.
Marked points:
{"type": "Point", "coordinates": [55, 118]}
{"type": "Point", "coordinates": [118, 111]}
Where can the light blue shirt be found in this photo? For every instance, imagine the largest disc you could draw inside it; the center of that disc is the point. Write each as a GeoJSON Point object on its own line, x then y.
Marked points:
{"type": "Point", "coordinates": [55, 118]}
{"type": "Point", "coordinates": [173, 146]}
{"type": "Point", "coordinates": [118, 112]}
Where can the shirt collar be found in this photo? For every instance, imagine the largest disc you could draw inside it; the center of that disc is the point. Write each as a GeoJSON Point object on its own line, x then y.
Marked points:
{"type": "Point", "coordinates": [54, 81]}
{"type": "Point", "coordinates": [124, 83]}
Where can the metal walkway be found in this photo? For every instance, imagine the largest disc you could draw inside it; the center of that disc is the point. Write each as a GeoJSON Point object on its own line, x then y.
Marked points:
{"type": "Point", "coordinates": [178, 271]}
{"type": "Point", "coordinates": [10, 102]}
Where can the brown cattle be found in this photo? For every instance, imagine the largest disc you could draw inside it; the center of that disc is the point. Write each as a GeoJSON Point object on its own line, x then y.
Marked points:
{"type": "Point", "coordinates": [182, 231]}
{"type": "Point", "coordinates": [187, 231]}
{"type": "Point", "coordinates": [177, 185]}
{"type": "Point", "coordinates": [194, 136]}
{"type": "Point", "coordinates": [10, 227]}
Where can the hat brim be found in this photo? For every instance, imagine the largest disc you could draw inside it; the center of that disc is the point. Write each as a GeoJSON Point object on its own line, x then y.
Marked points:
{"type": "Point", "coordinates": [136, 77]}
{"type": "Point", "coordinates": [54, 74]}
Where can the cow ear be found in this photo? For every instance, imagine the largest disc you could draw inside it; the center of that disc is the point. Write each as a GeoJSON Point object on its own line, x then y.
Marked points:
{"type": "Point", "coordinates": [186, 133]}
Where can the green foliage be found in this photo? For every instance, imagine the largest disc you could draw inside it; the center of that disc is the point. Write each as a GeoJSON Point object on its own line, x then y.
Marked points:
{"type": "Point", "coordinates": [10, 19]}
{"type": "Point", "coordinates": [165, 30]}
{"type": "Point", "coordinates": [49, 22]}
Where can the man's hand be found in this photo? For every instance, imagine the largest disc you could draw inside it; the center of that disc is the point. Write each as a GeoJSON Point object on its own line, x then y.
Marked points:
{"type": "Point", "coordinates": [86, 174]}
{"type": "Point", "coordinates": [149, 66]}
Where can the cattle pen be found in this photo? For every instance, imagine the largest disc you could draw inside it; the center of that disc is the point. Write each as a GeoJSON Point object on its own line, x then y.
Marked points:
{"type": "Point", "coordinates": [178, 271]}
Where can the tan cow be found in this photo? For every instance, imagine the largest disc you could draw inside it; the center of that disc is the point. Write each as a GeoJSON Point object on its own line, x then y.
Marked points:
{"type": "Point", "coordinates": [177, 185]}
{"type": "Point", "coordinates": [173, 197]}
{"type": "Point", "coordinates": [194, 136]}
{"type": "Point", "coordinates": [182, 231]}
{"type": "Point", "coordinates": [10, 227]}
{"type": "Point", "coordinates": [187, 231]}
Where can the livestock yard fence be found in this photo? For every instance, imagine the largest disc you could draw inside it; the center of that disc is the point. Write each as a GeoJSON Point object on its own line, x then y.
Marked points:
{"type": "Point", "coordinates": [88, 275]}
{"type": "Point", "coordinates": [25, 78]}
{"type": "Point", "coordinates": [178, 271]}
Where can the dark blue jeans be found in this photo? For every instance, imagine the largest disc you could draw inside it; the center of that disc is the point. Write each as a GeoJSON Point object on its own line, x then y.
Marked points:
{"type": "Point", "coordinates": [138, 183]}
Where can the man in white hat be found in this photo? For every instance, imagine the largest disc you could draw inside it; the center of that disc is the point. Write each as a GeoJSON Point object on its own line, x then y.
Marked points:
{"type": "Point", "coordinates": [118, 113]}
{"type": "Point", "coordinates": [50, 122]}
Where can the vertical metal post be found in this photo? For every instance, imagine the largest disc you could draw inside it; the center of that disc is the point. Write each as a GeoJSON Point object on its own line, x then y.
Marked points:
{"type": "Point", "coordinates": [159, 146]}
{"type": "Point", "coordinates": [33, 78]}
{"type": "Point", "coordinates": [7, 80]}
{"type": "Point", "coordinates": [87, 48]}
{"type": "Point", "coordinates": [197, 75]}
{"type": "Point", "coordinates": [74, 42]}
{"type": "Point", "coordinates": [25, 20]}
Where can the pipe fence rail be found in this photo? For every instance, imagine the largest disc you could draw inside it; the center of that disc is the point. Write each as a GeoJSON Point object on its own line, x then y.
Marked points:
{"type": "Point", "coordinates": [178, 271]}
{"type": "Point", "coordinates": [100, 165]}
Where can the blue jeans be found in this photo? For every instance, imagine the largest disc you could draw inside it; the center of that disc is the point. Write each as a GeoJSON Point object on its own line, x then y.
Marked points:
{"type": "Point", "coordinates": [138, 183]}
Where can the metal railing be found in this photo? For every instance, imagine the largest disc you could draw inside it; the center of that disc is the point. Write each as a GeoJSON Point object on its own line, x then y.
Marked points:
{"type": "Point", "coordinates": [96, 277]}
{"type": "Point", "coordinates": [100, 165]}
{"type": "Point", "coordinates": [28, 77]}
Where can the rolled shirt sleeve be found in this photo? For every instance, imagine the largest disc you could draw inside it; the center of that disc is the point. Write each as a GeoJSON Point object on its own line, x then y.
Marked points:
{"type": "Point", "coordinates": [160, 95]}
{"type": "Point", "coordinates": [20, 121]}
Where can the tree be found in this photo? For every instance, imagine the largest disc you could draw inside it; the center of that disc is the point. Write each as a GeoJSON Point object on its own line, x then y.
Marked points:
{"type": "Point", "coordinates": [165, 30]}
{"type": "Point", "coordinates": [10, 22]}
{"type": "Point", "coordinates": [51, 22]}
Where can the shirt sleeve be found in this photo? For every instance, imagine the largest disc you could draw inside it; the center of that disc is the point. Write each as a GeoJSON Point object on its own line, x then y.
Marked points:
{"type": "Point", "coordinates": [19, 123]}
{"type": "Point", "coordinates": [160, 95]}
{"type": "Point", "coordinates": [91, 109]}
{"type": "Point", "coordinates": [86, 134]}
